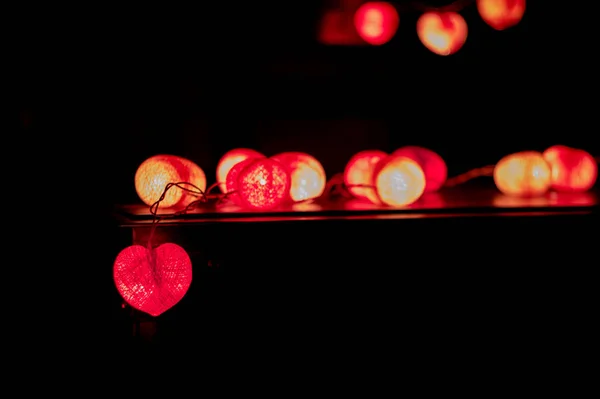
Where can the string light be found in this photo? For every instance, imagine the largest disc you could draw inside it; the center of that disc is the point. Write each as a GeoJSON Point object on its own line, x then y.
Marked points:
{"type": "Point", "coordinates": [155, 277]}
{"type": "Point", "coordinates": [442, 29]}
{"type": "Point", "coordinates": [526, 174]}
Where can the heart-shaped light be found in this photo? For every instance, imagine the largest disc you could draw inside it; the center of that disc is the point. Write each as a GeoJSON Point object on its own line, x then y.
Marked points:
{"type": "Point", "coordinates": [153, 280]}
{"type": "Point", "coordinates": [443, 33]}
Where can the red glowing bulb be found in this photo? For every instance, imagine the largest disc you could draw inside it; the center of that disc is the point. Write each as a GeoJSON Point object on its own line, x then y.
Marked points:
{"type": "Point", "coordinates": [501, 14]}
{"type": "Point", "coordinates": [376, 22]}
{"type": "Point", "coordinates": [231, 183]}
{"type": "Point", "coordinates": [433, 165]}
{"type": "Point", "coordinates": [572, 169]}
{"type": "Point", "coordinates": [153, 280]}
{"type": "Point", "coordinates": [307, 176]}
{"type": "Point", "coordinates": [442, 33]}
{"type": "Point", "coordinates": [358, 174]}
{"type": "Point", "coordinates": [231, 158]}
{"type": "Point", "coordinates": [263, 184]}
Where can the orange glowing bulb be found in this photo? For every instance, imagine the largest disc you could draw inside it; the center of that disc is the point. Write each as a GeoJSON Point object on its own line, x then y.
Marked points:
{"type": "Point", "coordinates": [156, 172]}
{"type": "Point", "coordinates": [399, 181]}
{"type": "Point", "coordinates": [523, 174]}
{"type": "Point", "coordinates": [443, 33]}
{"type": "Point", "coordinates": [501, 14]}
{"type": "Point", "coordinates": [376, 22]}
{"type": "Point", "coordinates": [307, 175]}
{"type": "Point", "coordinates": [228, 160]}
{"type": "Point", "coordinates": [359, 172]}
{"type": "Point", "coordinates": [434, 166]}
{"type": "Point", "coordinates": [572, 169]}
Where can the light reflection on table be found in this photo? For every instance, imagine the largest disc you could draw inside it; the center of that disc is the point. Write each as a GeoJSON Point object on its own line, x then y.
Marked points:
{"type": "Point", "coordinates": [448, 201]}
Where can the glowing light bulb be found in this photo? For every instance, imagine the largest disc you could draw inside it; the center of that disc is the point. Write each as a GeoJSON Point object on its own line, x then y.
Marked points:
{"type": "Point", "coordinates": [153, 175]}
{"type": "Point", "coordinates": [229, 160]}
{"type": "Point", "coordinates": [152, 280]}
{"type": "Point", "coordinates": [523, 174]}
{"type": "Point", "coordinates": [307, 175]}
{"type": "Point", "coordinates": [443, 33]}
{"type": "Point", "coordinates": [399, 181]}
{"type": "Point", "coordinates": [572, 169]}
{"type": "Point", "coordinates": [376, 22]}
{"type": "Point", "coordinates": [501, 14]}
{"type": "Point", "coordinates": [263, 184]}
{"type": "Point", "coordinates": [433, 165]}
{"type": "Point", "coordinates": [358, 174]}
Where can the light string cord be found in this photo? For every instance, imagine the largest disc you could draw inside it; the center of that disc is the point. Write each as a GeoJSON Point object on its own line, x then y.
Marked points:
{"type": "Point", "coordinates": [335, 187]}
{"type": "Point", "coordinates": [185, 186]}
{"type": "Point", "coordinates": [470, 175]}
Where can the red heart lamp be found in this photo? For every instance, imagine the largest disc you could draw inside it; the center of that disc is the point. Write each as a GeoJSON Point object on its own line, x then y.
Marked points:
{"type": "Point", "coordinates": [153, 280]}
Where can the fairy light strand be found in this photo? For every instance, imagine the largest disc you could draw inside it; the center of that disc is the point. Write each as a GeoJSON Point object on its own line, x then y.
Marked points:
{"type": "Point", "coordinates": [470, 175]}
{"type": "Point", "coordinates": [335, 188]}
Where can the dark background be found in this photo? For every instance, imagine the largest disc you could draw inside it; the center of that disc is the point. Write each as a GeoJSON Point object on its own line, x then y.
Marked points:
{"type": "Point", "coordinates": [100, 90]}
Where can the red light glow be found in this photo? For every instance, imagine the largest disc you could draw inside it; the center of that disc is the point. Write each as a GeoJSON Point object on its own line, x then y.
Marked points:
{"type": "Point", "coordinates": [231, 158]}
{"type": "Point", "coordinates": [153, 280]}
{"type": "Point", "coordinates": [376, 22]}
{"type": "Point", "coordinates": [231, 183]}
{"type": "Point", "coordinates": [572, 169]}
{"type": "Point", "coordinates": [434, 167]}
{"type": "Point", "coordinates": [359, 172]}
{"type": "Point", "coordinates": [306, 173]}
{"type": "Point", "coordinates": [263, 184]}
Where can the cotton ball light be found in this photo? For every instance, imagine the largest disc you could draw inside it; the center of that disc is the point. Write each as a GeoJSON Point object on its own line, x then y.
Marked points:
{"type": "Point", "coordinates": [153, 175]}
{"type": "Point", "coordinates": [523, 174]}
{"type": "Point", "coordinates": [229, 160]}
{"type": "Point", "coordinates": [231, 182]}
{"type": "Point", "coordinates": [307, 176]}
{"type": "Point", "coordinates": [152, 280]}
{"type": "Point", "coordinates": [433, 165]}
{"type": "Point", "coordinates": [263, 184]}
{"type": "Point", "coordinates": [358, 174]}
{"type": "Point", "coordinates": [399, 181]}
{"type": "Point", "coordinates": [501, 14]}
{"type": "Point", "coordinates": [572, 169]}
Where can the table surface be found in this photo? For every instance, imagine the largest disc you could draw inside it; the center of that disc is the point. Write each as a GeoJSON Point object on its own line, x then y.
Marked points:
{"type": "Point", "coordinates": [450, 202]}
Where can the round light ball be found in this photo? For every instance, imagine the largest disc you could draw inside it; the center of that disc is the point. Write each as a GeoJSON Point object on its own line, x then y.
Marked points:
{"type": "Point", "coordinates": [231, 183]}
{"type": "Point", "coordinates": [573, 169]}
{"type": "Point", "coordinates": [358, 174]}
{"type": "Point", "coordinates": [229, 159]}
{"type": "Point", "coordinates": [263, 184]}
{"type": "Point", "coordinates": [433, 165]}
{"type": "Point", "coordinates": [376, 22]}
{"type": "Point", "coordinates": [501, 14]}
{"type": "Point", "coordinates": [153, 175]}
{"type": "Point", "coordinates": [399, 181]}
{"type": "Point", "coordinates": [523, 174]}
{"type": "Point", "coordinates": [307, 176]}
